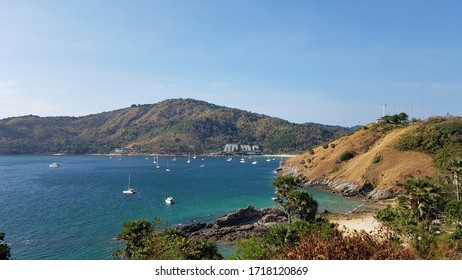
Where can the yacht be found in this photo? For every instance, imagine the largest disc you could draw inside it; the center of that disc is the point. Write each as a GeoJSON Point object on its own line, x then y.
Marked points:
{"type": "Point", "coordinates": [169, 200]}
{"type": "Point", "coordinates": [54, 165]}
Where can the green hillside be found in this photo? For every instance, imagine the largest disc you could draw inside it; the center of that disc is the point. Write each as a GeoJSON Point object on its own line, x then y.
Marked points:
{"type": "Point", "coordinates": [177, 126]}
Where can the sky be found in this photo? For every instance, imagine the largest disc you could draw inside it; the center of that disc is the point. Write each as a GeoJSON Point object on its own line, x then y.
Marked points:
{"type": "Point", "coordinates": [330, 62]}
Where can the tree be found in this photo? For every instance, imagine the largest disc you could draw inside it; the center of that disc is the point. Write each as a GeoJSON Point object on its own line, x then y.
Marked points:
{"type": "Point", "coordinates": [302, 205]}
{"type": "Point", "coordinates": [455, 168]}
{"type": "Point", "coordinates": [423, 198]}
{"type": "Point", "coordinates": [4, 248]}
{"type": "Point", "coordinates": [453, 212]}
{"type": "Point", "coordinates": [144, 240]}
{"type": "Point", "coordinates": [284, 185]}
{"type": "Point", "coordinates": [297, 203]}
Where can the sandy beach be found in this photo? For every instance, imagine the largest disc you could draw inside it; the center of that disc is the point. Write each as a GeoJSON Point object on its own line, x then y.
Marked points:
{"type": "Point", "coordinates": [357, 221]}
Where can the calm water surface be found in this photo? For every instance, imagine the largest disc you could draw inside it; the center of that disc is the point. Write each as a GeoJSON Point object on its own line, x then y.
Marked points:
{"type": "Point", "coordinates": [76, 210]}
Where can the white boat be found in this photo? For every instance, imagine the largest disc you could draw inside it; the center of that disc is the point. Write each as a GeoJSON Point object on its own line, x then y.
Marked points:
{"type": "Point", "coordinates": [169, 200]}
{"type": "Point", "coordinates": [189, 159]}
{"type": "Point", "coordinates": [230, 159]}
{"type": "Point", "coordinates": [254, 162]}
{"type": "Point", "coordinates": [129, 189]}
{"type": "Point", "coordinates": [157, 163]}
{"type": "Point", "coordinates": [167, 169]}
{"type": "Point", "coordinates": [242, 159]}
{"type": "Point", "coordinates": [54, 165]}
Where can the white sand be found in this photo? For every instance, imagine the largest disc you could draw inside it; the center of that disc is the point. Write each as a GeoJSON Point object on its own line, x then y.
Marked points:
{"type": "Point", "coordinates": [358, 222]}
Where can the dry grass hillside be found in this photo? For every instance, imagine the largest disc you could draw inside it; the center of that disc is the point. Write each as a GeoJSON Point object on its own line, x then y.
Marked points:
{"type": "Point", "coordinates": [376, 161]}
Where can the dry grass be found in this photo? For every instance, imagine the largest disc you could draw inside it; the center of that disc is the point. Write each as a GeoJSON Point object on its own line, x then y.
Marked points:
{"type": "Point", "coordinates": [390, 172]}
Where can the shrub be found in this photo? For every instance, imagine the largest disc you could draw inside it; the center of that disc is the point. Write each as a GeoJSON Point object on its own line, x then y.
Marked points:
{"type": "Point", "coordinates": [358, 246]}
{"type": "Point", "coordinates": [345, 156]}
{"type": "Point", "coordinates": [376, 159]}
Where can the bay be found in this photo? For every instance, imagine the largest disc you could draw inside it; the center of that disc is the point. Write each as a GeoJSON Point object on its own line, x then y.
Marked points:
{"type": "Point", "coordinates": [76, 211]}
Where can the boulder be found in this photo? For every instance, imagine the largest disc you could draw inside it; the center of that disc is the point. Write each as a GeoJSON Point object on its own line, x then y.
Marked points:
{"type": "Point", "coordinates": [244, 216]}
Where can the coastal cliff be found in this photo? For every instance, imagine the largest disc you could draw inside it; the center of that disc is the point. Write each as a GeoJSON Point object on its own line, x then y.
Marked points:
{"type": "Point", "coordinates": [378, 159]}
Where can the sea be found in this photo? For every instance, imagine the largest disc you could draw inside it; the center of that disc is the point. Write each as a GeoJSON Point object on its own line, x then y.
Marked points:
{"type": "Point", "coordinates": [76, 211]}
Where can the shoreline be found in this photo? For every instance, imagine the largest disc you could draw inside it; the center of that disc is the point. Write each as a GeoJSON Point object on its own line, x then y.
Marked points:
{"type": "Point", "coordinates": [356, 221]}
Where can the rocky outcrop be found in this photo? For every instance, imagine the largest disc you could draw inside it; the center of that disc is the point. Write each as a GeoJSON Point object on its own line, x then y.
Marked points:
{"type": "Point", "coordinates": [248, 215]}
{"type": "Point", "coordinates": [343, 188]}
{"type": "Point", "coordinates": [349, 189]}
{"type": "Point", "coordinates": [287, 169]}
{"type": "Point", "coordinates": [242, 224]}
{"type": "Point", "coordinates": [381, 194]}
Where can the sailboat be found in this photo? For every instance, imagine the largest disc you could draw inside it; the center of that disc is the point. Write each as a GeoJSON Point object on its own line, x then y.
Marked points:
{"type": "Point", "coordinates": [129, 190]}
{"type": "Point", "coordinates": [189, 159]}
{"type": "Point", "coordinates": [157, 163]}
{"type": "Point", "coordinates": [167, 169]}
{"type": "Point", "coordinates": [229, 159]}
{"type": "Point", "coordinates": [242, 159]}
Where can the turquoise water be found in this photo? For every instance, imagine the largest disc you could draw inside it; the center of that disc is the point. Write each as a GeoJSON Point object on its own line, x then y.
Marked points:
{"type": "Point", "coordinates": [76, 210]}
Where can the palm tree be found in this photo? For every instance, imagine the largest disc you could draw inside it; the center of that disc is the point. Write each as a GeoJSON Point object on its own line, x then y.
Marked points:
{"type": "Point", "coordinates": [284, 185]}
{"type": "Point", "coordinates": [454, 166]}
{"type": "Point", "coordinates": [302, 205]}
{"type": "Point", "coordinates": [423, 198]}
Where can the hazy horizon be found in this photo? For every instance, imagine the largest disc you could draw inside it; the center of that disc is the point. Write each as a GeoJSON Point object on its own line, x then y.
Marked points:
{"type": "Point", "coordinates": [334, 63]}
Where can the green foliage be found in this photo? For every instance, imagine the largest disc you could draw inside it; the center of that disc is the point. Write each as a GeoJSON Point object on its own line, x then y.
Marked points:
{"type": "Point", "coordinates": [422, 198]}
{"type": "Point", "coordinates": [144, 240]}
{"type": "Point", "coordinates": [278, 238]}
{"type": "Point", "coordinates": [250, 249]}
{"type": "Point", "coordinates": [395, 119]}
{"type": "Point", "coordinates": [297, 203]}
{"type": "Point", "coordinates": [172, 126]}
{"type": "Point", "coordinates": [433, 136]}
{"type": "Point", "coordinates": [420, 204]}
{"type": "Point", "coordinates": [347, 155]}
{"type": "Point", "coordinates": [301, 205]}
{"type": "Point", "coordinates": [4, 248]}
{"type": "Point", "coordinates": [376, 159]}
{"type": "Point", "coordinates": [453, 211]}
{"type": "Point", "coordinates": [457, 234]}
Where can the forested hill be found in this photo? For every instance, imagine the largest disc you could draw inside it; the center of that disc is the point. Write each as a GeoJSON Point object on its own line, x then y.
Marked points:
{"type": "Point", "coordinates": [174, 126]}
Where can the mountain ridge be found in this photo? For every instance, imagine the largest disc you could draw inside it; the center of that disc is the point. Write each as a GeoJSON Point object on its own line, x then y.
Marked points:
{"type": "Point", "coordinates": [172, 126]}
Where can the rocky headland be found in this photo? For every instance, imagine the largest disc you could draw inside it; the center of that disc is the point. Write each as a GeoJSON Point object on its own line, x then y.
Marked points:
{"type": "Point", "coordinates": [242, 224]}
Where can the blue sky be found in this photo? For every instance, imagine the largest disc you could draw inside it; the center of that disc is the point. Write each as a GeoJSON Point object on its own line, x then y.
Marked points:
{"type": "Point", "coordinates": [331, 62]}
